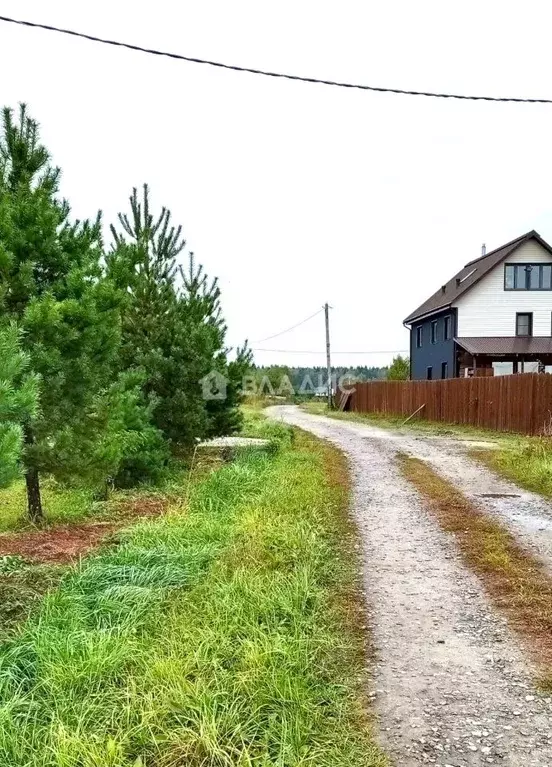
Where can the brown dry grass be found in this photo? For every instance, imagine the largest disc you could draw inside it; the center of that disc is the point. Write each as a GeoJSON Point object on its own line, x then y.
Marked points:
{"type": "Point", "coordinates": [517, 582]}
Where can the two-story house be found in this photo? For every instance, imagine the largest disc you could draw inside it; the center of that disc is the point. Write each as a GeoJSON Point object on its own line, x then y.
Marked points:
{"type": "Point", "coordinates": [493, 317]}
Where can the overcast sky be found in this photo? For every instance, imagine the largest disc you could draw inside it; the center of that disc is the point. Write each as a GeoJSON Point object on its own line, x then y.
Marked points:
{"type": "Point", "coordinates": [298, 194]}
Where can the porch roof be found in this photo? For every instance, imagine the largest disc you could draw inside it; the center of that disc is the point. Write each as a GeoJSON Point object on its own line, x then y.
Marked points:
{"type": "Point", "coordinates": [502, 345]}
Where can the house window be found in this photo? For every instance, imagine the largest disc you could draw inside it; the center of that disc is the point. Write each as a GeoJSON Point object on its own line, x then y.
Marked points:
{"type": "Point", "coordinates": [509, 277]}
{"type": "Point", "coordinates": [447, 331]}
{"type": "Point", "coordinates": [528, 277]}
{"type": "Point", "coordinates": [419, 336]}
{"type": "Point", "coordinates": [434, 332]}
{"type": "Point", "coordinates": [524, 324]}
{"type": "Point", "coordinates": [429, 373]}
{"type": "Point", "coordinates": [444, 369]}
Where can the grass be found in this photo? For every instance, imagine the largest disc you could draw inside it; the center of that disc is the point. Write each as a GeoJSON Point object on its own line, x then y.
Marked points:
{"type": "Point", "coordinates": [225, 633]}
{"type": "Point", "coordinates": [62, 505]}
{"type": "Point", "coordinates": [22, 586]}
{"type": "Point", "coordinates": [517, 582]}
{"type": "Point", "coordinates": [526, 461]}
{"type": "Point", "coordinates": [24, 583]}
{"type": "Point", "coordinates": [66, 505]}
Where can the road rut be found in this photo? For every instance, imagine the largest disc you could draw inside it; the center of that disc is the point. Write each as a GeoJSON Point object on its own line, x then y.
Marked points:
{"type": "Point", "coordinates": [451, 686]}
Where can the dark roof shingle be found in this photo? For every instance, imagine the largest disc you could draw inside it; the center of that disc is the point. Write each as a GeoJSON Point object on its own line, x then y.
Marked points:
{"type": "Point", "coordinates": [506, 344]}
{"type": "Point", "coordinates": [470, 275]}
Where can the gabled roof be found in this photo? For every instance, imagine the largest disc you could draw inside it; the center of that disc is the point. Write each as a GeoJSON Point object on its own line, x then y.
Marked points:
{"type": "Point", "coordinates": [470, 275]}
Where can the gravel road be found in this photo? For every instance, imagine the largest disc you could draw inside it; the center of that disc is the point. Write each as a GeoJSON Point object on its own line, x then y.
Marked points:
{"type": "Point", "coordinates": [529, 516]}
{"type": "Point", "coordinates": [451, 686]}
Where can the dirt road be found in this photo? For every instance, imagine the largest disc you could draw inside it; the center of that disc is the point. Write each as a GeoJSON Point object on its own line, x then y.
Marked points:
{"type": "Point", "coordinates": [451, 685]}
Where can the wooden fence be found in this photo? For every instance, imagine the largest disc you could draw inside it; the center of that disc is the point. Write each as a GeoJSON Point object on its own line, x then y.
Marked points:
{"type": "Point", "coordinates": [517, 403]}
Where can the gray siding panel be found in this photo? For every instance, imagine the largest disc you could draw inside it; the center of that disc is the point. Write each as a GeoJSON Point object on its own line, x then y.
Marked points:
{"type": "Point", "coordinates": [433, 355]}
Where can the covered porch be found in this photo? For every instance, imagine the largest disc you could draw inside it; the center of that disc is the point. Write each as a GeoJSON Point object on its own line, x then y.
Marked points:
{"type": "Point", "coordinates": [503, 355]}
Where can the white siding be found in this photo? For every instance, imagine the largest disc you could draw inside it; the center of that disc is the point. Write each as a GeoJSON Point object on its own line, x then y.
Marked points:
{"type": "Point", "coordinates": [489, 310]}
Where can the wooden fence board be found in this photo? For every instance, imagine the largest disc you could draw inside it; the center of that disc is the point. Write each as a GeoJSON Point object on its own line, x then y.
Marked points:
{"type": "Point", "coordinates": [517, 403]}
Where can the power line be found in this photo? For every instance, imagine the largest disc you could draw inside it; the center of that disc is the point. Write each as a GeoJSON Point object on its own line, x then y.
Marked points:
{"type": "Point", "coordinates": [268, 73]}
{"type": "Point", "coordinates": [281, 333]}
{"type": "Point", "coordinates": [320, 351]}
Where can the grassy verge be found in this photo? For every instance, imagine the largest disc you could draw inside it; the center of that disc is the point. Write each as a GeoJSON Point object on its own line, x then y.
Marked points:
{"type": "Point", "coordinates": [516, 581]}
{"type": "Point", "coordinates": [220, 634]}
{"type": "Point", "coordinates": [526, 461]}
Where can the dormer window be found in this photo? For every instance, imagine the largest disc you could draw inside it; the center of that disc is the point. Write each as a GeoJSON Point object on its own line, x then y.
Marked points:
{"type": "Point", "coordinates": [528, 277]}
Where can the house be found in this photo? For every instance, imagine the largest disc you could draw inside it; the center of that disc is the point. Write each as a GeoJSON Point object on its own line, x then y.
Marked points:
{"type": "Point", "coordinates": [493, 317]}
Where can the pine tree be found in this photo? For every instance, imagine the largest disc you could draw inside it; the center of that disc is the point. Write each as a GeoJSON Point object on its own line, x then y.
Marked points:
{"type": "Point", "coordinates": [201, 317]}
{"type": "Point", "coordinates": [18, 402]}
{"type": "Point", "coordinates": [132, 450]}
{"type": "Point", "coordinates": [53, 287]}
{"type": "Point", "coordinates": [116, 445]}
{"type": "Point", "coordinates": [201, 305]}
{"type": "Point", "coordinates": [225, 416]}
{"type": "Point", "coordinates": [173, 326]}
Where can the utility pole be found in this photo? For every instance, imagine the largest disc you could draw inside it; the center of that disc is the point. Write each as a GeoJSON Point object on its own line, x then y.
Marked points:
{"type": "Point", "coordinates": [328, 358]}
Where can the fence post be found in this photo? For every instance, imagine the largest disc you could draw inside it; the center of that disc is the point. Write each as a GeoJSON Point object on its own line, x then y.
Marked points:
{"type": "Point", "coordinates": [532, 412]}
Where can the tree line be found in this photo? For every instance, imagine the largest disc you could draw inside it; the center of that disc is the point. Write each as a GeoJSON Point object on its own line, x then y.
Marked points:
{"type": "Point", "coordinates": [102, 344]}
{"type": "Point", "coordinates": [285, 379]}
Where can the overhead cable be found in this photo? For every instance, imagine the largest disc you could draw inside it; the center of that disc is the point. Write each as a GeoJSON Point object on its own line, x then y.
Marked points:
{"type": "Point", "coordinates": [322, 351]}
{"type": "Point", "coordinates": [270, 73]}
{"type": "Point", "coordinates": [288, 330]}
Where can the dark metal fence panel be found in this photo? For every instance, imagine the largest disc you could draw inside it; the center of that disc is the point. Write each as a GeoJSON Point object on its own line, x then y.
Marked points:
{"type": "Point", "coordinates": [516, 403]}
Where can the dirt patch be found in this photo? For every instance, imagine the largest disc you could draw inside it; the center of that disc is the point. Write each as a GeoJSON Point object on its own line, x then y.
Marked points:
{"type": "Point", "coordinates": [58, 544]}
{"type": "Point", "coordinates": [65, 543]}
{"type": "Point", "coordinates": [149, 506]}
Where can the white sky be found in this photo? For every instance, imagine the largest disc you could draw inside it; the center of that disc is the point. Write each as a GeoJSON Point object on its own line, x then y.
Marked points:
{"type": "Point", "coordinates": [297, 194]}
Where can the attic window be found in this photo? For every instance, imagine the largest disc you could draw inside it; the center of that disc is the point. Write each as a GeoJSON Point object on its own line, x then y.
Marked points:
{"type": "Point", "coordinates": [528, 277]}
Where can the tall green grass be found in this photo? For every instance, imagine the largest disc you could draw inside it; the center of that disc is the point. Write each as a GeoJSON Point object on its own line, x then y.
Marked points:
{"type": "Point", "coordinates": [214, 636]}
